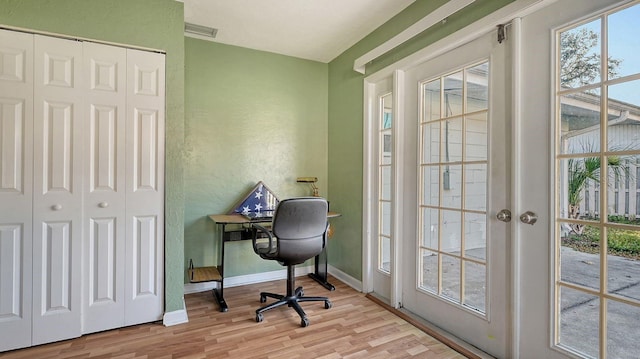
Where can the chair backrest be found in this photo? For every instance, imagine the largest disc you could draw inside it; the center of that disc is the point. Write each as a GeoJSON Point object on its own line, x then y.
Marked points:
{"type": "Point", "coordinates": [300, 224]}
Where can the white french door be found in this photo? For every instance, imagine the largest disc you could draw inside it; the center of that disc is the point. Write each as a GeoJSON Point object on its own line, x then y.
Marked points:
{"type": "Point", "coordinates": [577, 291]}
{"type": "Point", "coordinates": [455, 271]}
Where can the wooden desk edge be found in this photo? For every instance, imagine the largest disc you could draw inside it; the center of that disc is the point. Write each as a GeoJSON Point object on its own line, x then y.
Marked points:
{"type": "Point", "coordinates": [240, 219]}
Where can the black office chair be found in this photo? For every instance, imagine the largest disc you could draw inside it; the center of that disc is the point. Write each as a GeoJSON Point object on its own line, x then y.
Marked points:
{"type": "Point", "coordinates": [298, 232]}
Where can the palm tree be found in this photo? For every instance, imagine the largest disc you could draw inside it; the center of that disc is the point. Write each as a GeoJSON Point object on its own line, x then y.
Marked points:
{"type": "Point", "coordinates": [580, 171]}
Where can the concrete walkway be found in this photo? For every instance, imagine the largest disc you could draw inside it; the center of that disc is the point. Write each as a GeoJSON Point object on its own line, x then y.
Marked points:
{"type": "Point", "coordinates": [580, 311]}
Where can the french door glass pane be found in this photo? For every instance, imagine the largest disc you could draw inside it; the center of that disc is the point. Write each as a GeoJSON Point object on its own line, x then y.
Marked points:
{"type": "Point", "coordinates": [451, 278]}
{"type": "Point", "coordinates": [578, 321]}
{"type": "Point", "coordinates": [576, 176]}
{"type": "Point", "coordinates": [624, 104]}
{"type": "Point", "coordinates": [580, 245]}
{"type": "Point", "coordinates": [475, 236]}
{"type": "Point", "coordinates": [431, 142]}
{"type": "Point", "coordinates": [452, 186]}
{"type": "Point", "coordinates": [451, 150]}
{"type": "Point", "coordinates": [475, 181]}
{"type": "Point", "coordinates": [622, 338]}
{"type": "Point", "coordinates": [580, 127]}
{"type": "Point", "coordinates": [430, 223]}
{"type": "Point", "coordinates": [621, 25]}
{"type": "Point", "coordinates": [580, 55]}
{"type": "Point", "coordinates": [429, 275]}
{"type": "Point", "coordinates": [431, 184]}
{"type": "Point", "coordinates": [476, 136]}
{"type": "Point", "coordinates": [475, 286]}
{"type": "Point", "coordinates": [453, 95]}
{"type": "Point", "coordinates": [431, 91]}
{"type": "Point", "coordinates": [477, 81]}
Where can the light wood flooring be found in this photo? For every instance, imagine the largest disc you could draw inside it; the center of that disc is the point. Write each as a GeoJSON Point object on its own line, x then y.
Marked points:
{"type": "Point", "coordinates": [355, 327]}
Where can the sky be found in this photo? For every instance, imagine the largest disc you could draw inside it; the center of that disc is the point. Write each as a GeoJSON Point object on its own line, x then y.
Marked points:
{"type": "Point", "coordinates": [624, 44]}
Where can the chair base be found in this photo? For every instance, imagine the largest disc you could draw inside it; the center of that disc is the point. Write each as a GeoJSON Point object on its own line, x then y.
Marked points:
{"type": "Point", "coordinates": [292, 299]}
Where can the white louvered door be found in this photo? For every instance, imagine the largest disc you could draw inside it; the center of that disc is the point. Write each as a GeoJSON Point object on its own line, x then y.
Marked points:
{"type": "Point", "coordinates": [16, 159]}
{"type": "Point", "coordinates": [57, 195]}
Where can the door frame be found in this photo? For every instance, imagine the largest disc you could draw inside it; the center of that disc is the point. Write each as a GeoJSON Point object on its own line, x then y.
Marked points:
{"type": "Point", "coordinates": [510, 13]}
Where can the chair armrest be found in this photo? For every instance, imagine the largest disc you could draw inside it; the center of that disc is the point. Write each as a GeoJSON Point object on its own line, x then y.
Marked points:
{"type": "Point", "coordinates": [260, 229]}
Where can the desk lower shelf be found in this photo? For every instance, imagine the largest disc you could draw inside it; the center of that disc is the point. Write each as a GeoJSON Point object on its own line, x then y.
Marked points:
{"type": "Point", "coordinates": [204, 274]}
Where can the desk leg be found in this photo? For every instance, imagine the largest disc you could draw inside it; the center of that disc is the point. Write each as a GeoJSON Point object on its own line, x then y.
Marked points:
{"type": "Point", "coordinates": [217, 293]}
{"type": "Point", "coordinates": [320, 274]}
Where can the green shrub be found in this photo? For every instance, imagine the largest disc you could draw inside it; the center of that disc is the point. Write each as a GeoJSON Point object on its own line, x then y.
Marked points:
{"type": "Point", "coordinates": [619, 241]}
{"type": "Point", "coordinates": [624, 240]}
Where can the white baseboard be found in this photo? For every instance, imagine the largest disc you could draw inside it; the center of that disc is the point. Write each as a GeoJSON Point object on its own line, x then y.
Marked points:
{"type": "Point", "coordinates": [345, 278]}
{"type": "Point", "coordinates": [269, 276]}
{"type": "Point", "coordinates": [245, 279]}
{"type": "Point", "coordinates": [176, 317]}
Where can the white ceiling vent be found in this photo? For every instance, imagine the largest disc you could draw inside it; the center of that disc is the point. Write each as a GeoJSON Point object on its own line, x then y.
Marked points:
{"type": "Point", "coordinates": [200, 30]}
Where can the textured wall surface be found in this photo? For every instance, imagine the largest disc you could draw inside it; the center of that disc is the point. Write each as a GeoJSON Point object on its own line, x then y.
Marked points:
{"type": "Point", "coordinates": [156, 24]}
{"type": "Point", "coordinates": [250, 116]}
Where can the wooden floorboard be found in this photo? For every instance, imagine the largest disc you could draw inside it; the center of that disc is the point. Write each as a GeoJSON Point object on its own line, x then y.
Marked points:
{"type": "Point", "coordinates": [355, 327]}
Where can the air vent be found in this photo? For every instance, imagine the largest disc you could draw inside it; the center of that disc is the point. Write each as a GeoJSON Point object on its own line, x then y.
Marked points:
{"type": "Point", "coordinates": [200, 30]}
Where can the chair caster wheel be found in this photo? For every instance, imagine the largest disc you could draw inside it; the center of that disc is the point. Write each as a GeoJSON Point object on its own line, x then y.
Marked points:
{"type": "Point", "coordinates": [304, 322]}
{"type": "Point", "coordinates": [301, 293]}
{"type": "Point", "coordinates": [327, 304]}
{"type": "Point", "coordinates": [263, 299]}
{"type": "Point", "coordinates": [259, 317]}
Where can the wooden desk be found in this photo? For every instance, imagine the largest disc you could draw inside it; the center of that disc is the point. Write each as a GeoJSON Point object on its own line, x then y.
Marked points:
{"type": "Point", "coordinates": [241, 231]}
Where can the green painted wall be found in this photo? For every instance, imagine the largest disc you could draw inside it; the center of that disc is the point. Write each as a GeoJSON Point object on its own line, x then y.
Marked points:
{"type": "Point", "coordinates": [250, 116]}
{"type": "Point", "coordinates": [154, 24]}
{"type": "Point", "coordinates": [245, 116]}
{"type": "Point", "coordinates": [346, 117]}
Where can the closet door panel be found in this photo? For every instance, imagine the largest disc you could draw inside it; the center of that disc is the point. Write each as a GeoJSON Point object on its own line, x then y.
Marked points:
{"type": "Point", "coordinates": [104, 193]}
{"type": "Point", "coordinates": [57, 195]}
{"type": "Point", "coordinates": [145, 187]}
{"type": "Point", "coordinates": [16, 195]}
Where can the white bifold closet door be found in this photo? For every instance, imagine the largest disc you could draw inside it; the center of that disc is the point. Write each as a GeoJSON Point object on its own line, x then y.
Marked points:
{"type": "Point", "coordinates": [82, 188]}
{"type": "Point", "coordinates": [16, 188]}
{"type": "Point", "coordinates": [57, 189]}
{"type": "Point", "coordinates": [123, 187]}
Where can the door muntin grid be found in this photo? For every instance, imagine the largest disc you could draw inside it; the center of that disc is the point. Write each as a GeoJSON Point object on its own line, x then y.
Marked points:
{"type": "Point", "coordinates": [453, 178]}
{"type": "Point", "coordinates": [385, 184]}
{"type": "Point", "coordinates": [597, 153]}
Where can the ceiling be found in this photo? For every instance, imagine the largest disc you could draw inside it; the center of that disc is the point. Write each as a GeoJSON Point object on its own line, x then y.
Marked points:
{"type": "Point", "coordinates": [317, 30]}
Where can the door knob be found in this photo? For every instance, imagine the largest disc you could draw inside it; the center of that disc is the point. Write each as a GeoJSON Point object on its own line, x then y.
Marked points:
{"type": "Point", "coordinates": [504, 215]}
{"type": "Point", "coordinates": [103, 204]}
{"type": "Point", "coordinates": [528, 217]}
{"type": "Point", "coordinates": [56, 207]}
